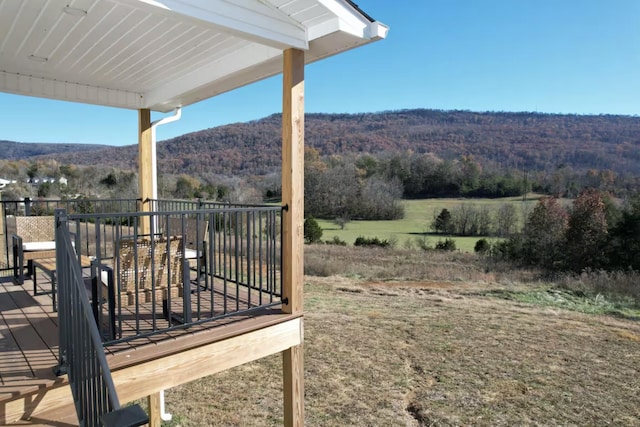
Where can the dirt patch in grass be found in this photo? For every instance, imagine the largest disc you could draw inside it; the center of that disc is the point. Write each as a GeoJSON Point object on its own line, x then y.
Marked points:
{"type": "Point", "coordinates": [434, 353]}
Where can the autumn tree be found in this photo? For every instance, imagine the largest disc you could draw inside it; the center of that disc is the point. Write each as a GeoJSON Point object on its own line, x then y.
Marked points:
{"type": "Point", "coordinates": [368, 164]}
{"type": "Point", "coordinates": [587, 231]}
{"type": "Point", "coordinates": [469, 173]}
{"type": "Point", "coordinates": [313, 171]}
{"type": "Point", "coordinates": [624, 238]}
{"type": "Point", "coordinates": [32, 172]}
{"type": "Point", "coordinates": [185, 187]}
{"type": "Point", "coordinates": [544, 234]}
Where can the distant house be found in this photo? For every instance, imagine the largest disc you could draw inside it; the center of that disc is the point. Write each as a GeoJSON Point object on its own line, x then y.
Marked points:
{"type": "Point", "coordinates": [37, 180]}
{"type": "Point", "coordinates": [5, 182]}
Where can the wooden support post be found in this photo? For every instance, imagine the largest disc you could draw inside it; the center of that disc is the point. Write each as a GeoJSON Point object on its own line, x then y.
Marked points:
{"type": "Point", "coordinates": [154, 410]}
{"type": "Point", "coordinates": [4, 261]}
{"type": "Point", "coordinates": [293, 225]}
{"type": "Point", "coordinates": [144, 166]}
{"type": "Point", "coordinates": [293, 377]}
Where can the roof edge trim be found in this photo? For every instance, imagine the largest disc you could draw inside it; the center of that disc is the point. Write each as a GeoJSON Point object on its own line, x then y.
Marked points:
{"type": "Point", "coordinates": [362, 12]}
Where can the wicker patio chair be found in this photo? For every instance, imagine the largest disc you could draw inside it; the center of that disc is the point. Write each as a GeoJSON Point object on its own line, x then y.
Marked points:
{"type": "Point", "coordinates": [145, 272]}
{"type": "Point", "coordinates": [142, 265]}
{"type": "Point", "coordinates": [34, 239]}
{"type": "Point", "coordinates": [194, 232]}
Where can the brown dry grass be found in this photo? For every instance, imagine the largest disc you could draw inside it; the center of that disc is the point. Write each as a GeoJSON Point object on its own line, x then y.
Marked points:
{"type": "Point", "coordinates": [434, 352]}
{"type": "Point", "coordinates": [405, 264]}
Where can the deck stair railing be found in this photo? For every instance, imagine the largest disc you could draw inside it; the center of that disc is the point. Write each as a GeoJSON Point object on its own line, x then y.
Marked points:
{"type": "Point", "coordinates": [82, 355]}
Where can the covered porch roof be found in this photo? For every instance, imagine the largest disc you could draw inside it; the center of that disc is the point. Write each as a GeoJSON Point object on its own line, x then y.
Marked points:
{"type": "Point", "coordinates": [163, 54]}
{"type": "Point", "coordinates": [159, 55]}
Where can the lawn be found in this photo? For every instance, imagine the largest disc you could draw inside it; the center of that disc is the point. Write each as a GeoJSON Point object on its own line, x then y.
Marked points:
{"type": "Point", "coordinates": [467, 346]}
{"type": "Point", "coordinates": [416, 223]}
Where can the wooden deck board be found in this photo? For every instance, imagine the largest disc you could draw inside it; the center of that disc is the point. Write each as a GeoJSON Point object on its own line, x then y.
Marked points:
{"type": "Point", "coordinates": [12, 361]}
{"type": "Point", "coordinates": [28, 344]}
{"type": "Point", "coordinates": [29, 341]}
{"type": "Point", "coordinates": [32, 330]}
{"type": "Point", "coordinates": [42, 318]}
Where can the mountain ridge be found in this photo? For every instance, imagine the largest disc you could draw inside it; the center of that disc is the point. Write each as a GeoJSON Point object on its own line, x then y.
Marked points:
{"type": "Point", "coordinates": [536, 141]}
{"type": "Point", "coordinates": [13, 150]}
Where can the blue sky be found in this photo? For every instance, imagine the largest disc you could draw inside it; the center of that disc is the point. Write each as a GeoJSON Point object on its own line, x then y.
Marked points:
{"type": "Point", "coordinates": [552, 56]}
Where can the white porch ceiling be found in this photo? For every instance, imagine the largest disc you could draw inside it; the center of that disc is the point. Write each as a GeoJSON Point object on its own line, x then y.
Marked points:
{"type": "Point", "coordinates": [161, 54]}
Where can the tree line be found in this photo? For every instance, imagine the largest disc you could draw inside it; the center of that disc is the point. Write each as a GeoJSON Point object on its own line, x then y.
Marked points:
{"type": "Point", "coordinates": [468, 219]}
{"type": "Point", "coordinates": [110, 182]}
{"type": "Point", "coordinates": [367, 186]}
{"type": "Point", "coordinates": [340, 188]}
{"type": "Point", "coordinates": [336, 188]}
{"type": "Point", "coordinates": [594, 233]}
{"type": "Point", "coordinates": [428, 176]}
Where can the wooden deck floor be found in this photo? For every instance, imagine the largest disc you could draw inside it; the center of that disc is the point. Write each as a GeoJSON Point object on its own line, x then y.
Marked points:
{"type": "Point", "coordinates": [29, 339]}
{"type": "Point", "coordinates": [29, 344]}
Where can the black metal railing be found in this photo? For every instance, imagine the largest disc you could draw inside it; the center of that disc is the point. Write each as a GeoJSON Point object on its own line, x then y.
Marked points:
{"type": "Point", "coordinates": [179, 205]}
{"type": "Point", "coordinates": [81, 353]}
{"type": "Point", "coordinates": [39, 207]}
{"type": "Point", "coordinates": [163, 270]}
{"type": "Point", "coordinates": [42, 207]}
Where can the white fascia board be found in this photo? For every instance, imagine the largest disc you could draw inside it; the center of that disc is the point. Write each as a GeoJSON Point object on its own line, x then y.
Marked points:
{"type": "Point", "coordinates": [347, 20]}
{"type": "Point", "coordinates": [66, 91]}
{"type": "Point", "coordinates": [372, 31]}
{"type": "Point", "coordinates": [377, 30]}
{"type": "Point", "coordinates": [242, 58]}
{"type": "Point", "coordinates": [247, 19]}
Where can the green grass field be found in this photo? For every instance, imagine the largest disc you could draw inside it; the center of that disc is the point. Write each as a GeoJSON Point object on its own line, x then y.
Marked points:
{"type": "Point", "coordinates": [416, 222]}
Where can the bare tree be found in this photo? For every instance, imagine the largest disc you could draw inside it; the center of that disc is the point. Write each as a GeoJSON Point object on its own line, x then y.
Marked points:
{"type": "Point", "coordinates": [484, 221]}
{"type": "Point", "coordinates": [505, 220]}
{"type": "Point", "coordinates": [463, 219]}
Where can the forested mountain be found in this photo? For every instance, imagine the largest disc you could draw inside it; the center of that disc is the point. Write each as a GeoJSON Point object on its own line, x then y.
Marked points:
{"type": "Point", "coordinates": [10, 150]}
{"type": "Point", "coordinates": [525, 141]}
